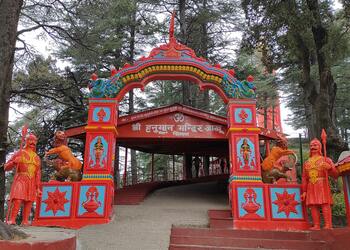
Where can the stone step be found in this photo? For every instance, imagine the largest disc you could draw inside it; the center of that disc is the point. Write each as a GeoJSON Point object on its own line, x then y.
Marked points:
{"type": "Point", "coordinates": [234, 233]}
{"type": "Point", "coordinates": [215, 213]}
{"type": "Point", "coordinates": [196, 247]}
{"type": "Point", "coordinates": [247, 242]}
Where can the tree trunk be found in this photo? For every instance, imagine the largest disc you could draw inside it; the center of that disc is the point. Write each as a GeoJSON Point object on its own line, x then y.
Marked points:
{"type": "Point", "coordinates": [324, 105]}
{"type": "Point", "coordinates": [310, 87]}
{"type": "Point", "coordinates": [186, 87]}
{"type": "Point", "coordinates": [204, 53]}
{"type": "Point", "coordinates": [9, 15]}
{"type": "Point", "coordinates": [265, 110]}
{"type": "Point", "coordinates": [133, 161]}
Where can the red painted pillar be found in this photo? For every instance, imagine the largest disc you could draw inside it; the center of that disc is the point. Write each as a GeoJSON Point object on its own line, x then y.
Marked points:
{"type": "Point", "coordinates": [244, 155]}
{"type": "Point", "coordinates": [125, 176]}
{"type": "Point", "coordinates": [152, 170]}
{"type": "Point", "coordinates": [346, 187]}
{"type": "Point", "coordinates": [99, 157]}
{"type": "Point", "coordinates": [267, 147]}
{"type": "Point", "coordinates": [173, 167]}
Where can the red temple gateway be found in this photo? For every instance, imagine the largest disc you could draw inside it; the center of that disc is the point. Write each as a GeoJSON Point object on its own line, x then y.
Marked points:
{"type": "Point", "coordinates": [174, 129]}
{"type": "Point", "coordinates": [255, 205]}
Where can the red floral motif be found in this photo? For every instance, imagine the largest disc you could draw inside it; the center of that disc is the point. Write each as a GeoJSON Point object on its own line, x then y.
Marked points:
{"type": "Point", "coordinates": [56, 201]}
{"type": "Point", "coordinates": [243, 115]}
{"type": "Point", "coordinates": [232, 72]}
{"type": "Point", "coordinates": [94, 77]}
{"type": "Point", "coordinates": [101, 114]}
{"type": "Point", "coordinates": [286, 203]}
{"type": "Point", "coordinates": [250, 78]}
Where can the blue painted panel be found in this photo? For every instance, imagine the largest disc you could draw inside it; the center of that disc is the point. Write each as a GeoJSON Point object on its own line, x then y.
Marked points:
{"type": "Point", "coordinates": [93, 163]}
{"type": "Point", "coordinates": [100, 199]}
{"type": "Point", "coordinates": [292, 202]}
{"type": "Point", "coordinates": [242, 200]}
{"type": "Point", "coordinates": [347, 186]}
{"type": "Point", "coordinates": [249, 145]}
{"type": "Point", "coordinates": [65, 192]}
{"type": "Point", "coordinates": [248, 111]}
{"type": "Point", "coordinates": [106, 118]}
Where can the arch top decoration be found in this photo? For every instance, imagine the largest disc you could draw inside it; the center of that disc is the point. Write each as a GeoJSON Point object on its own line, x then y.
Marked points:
{"type": "Point", "coordinates": [172, 61]}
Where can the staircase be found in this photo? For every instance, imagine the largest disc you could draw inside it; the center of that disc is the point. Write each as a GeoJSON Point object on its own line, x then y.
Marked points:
{"type": "Point", "coordinates": [220, 236]}
{"type": "Point", "coordinates": [135, 194]}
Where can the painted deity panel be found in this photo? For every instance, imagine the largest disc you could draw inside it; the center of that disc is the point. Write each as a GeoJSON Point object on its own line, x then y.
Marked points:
{"type": "Point", "coordinates": [243, 115]}
{"type": "Point", "coordinates": [245, 154]}
{"type": "Point", "coordinates": [347, 187]}
{"type": "Point", "coordinates": [98, 152]}
{"type": "Point", "coordinates": [56, 201]}
{"type": "Point", "coordinates": [101, 114]}
{"type": "Point", "coordinates": [250, 202]}
{"type": "Point", "coordinates": [92, 199]}
{"type": "Point", "coordinates": [286, 203]}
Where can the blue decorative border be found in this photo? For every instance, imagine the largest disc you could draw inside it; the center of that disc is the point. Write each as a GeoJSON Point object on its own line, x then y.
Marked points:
{"type": "Point", "coordinates": [247, 178]}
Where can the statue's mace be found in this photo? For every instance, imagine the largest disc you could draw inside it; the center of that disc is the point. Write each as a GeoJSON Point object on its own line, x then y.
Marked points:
{"type": "Point", "coordinates": [23, 135]}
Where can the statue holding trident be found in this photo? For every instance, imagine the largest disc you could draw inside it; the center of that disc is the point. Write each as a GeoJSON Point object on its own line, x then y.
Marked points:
{"type": "Point", "coordinates": [315, 186]}
{"type": "Point", "coordinates": [25, 186]}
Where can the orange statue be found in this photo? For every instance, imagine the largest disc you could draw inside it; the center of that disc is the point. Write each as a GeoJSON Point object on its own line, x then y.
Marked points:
{"type": "Point", "coordinates": [315, 186]}
{"type": "Point", "coordinates": [278, 162]}
{"type": "Point", "coordinates": [25, 186]}
{"type": "Point", "coordinates": [67, 165]}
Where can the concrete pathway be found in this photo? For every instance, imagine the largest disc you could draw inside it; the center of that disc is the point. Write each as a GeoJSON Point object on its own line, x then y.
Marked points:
{"type": "Point", "coordinates": [147, 226]}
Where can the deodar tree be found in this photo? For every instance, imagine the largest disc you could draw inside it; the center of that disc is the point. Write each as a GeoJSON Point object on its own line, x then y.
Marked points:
{"type": "Point", "coordinates": [298, 35]}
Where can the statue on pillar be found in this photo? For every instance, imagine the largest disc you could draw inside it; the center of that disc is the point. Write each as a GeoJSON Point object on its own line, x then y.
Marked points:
{"type": "Point", "coordinates": [315, 186]}
{"type": "Point", "coordinates": [67, 166]}
{"type": "Point", "coordinates": [26, 183]}
{"type": "Point", "coordinates": [280, 160]}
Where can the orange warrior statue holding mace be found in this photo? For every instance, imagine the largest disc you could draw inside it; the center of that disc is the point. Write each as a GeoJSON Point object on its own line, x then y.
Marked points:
{"type": "Point", "coordinates": [26, 181]}
{"type": "Point", "coordinates": [315, 186]}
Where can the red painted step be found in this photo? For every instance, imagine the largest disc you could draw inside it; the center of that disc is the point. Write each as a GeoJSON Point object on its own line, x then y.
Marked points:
{"type": "Point", "coordinates": [211, 238]}
{"type": "Point", "coordinates": [220, 219]}
{"type": "Point", "coordinates": [230, 233]}
{"type": "Point", "coordinates": [187, 247]}
{"type": "Point", "coordinates": [247, 242]}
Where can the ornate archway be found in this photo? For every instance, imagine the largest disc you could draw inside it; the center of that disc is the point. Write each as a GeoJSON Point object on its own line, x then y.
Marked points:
{"type": "Point", "coordinates": [252, 201]}
{"type": "Point", "coordinates": [172, 61]}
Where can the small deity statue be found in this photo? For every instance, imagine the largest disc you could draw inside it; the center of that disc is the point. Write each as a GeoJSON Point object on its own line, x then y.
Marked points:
{"type": "Point", "coordinates": [67, 166]}
{"type": "Point", "coordinates": [278, 162]}
{"type": "Point", "coordinates": [245, 152]}
{"type": "Point", "coordinates": [26, 182]}
{"type": "Point", "coordinates": [315, 186]}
